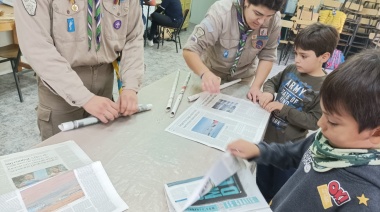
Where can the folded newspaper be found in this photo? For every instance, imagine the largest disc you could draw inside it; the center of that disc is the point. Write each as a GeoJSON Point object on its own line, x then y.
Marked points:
{"type": "Point", "coordinates": [230, 185]}
{"type": "Point", "coordinates": [59, 177]}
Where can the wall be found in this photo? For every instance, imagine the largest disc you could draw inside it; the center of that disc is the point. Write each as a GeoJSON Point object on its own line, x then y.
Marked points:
{"type": "Point", "coordinates": [199, 9]}
{"type": "Point", "coordinates": [5, 39]}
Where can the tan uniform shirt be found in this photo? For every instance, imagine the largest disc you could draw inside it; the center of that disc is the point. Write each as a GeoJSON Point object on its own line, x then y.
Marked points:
{"type": "Point", "coordinates": [52, 50]}
{"type": "Point", "coordinates": [218, 37]}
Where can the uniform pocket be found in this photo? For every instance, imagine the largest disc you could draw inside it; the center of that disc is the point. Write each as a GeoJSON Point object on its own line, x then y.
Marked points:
{"type": "Point", "coordinates": [44, 124]}
{"type": "Point", "coordinates": [115, 20]}
{"type": "Point", "coordinates": [69, 25]}
{"type": "Point", "coordinates": [228, 50]}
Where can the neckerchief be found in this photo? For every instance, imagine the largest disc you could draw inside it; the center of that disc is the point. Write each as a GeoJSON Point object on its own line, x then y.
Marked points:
{"type": "Point", "coordinates": [244, 33]}
{"type": "Point", "coordinates": [325, 157]}
{"type": "Point", "coordinates": [97, 18]}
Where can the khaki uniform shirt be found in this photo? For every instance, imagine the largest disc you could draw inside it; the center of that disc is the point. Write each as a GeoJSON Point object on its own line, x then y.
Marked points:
{"type": "Point", "coordinates": [218, 37]}
{"type": "Point", "coordinates": [53, 51]}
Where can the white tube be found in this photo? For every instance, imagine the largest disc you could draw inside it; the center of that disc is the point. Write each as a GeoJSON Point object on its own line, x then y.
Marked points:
{"type": "Point", "coordinates": [225, 85]}
{"type": "Point", "coordinates": [171, 97]}
{"type": "Point", "coordinates": [93, 120]}
{"type": "Point", "coordinates": [180, 95]}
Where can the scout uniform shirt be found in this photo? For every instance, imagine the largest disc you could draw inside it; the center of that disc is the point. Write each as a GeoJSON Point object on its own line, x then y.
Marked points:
{"type": "Point", "coordinates": [218, 34]}
{"type": "Point", "coordinates": [53, 36]}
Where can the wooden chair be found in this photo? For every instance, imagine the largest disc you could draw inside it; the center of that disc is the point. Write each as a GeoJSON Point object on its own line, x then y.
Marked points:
{"type": "Point", "coordinates": [175, 33]}
{"type": "Point", "coordinates": [375, 38]}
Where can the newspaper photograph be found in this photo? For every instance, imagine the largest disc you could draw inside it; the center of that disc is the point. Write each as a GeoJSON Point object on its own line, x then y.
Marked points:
{"type": "Point", "coordinates": [85, 188]}
{"type": "Point", "coordinates": [230, 185]}
{"type": "Point", "coordinates": [216, 120]}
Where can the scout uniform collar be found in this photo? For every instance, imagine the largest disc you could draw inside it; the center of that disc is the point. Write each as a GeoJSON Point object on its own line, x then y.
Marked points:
{"type": "Point", "coordinates": [244, 33]}
{"type": "Point", "coordinates": [325, 157]}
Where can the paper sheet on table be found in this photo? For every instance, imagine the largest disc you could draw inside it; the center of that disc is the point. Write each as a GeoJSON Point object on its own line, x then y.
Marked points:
{"type": "Point", "coordinates": [216, 120]}
{"type": "Point", "coordinates": [57, 177]}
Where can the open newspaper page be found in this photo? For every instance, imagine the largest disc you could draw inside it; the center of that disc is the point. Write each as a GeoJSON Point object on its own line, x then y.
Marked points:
{"type": "Point", "coordinates": [84, 189]}
{"type": "Point", "coordinates": [230, 185]}
{"type": "Point", "coordinates": [217, 119]}
{"type": "Point", "coordinates": [22, 169]}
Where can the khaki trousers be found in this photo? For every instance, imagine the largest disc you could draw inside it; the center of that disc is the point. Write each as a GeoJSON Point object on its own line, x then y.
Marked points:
{"type": "Point", "coordinates": [52, 110]}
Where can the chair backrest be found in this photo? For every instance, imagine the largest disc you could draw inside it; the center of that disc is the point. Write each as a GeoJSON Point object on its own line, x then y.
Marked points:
{"type": "Point", "coordinates": [287, 24]}
{"type": "Point", "coordinates": [331, 4]}
{"type": "Point", "coordinates": [9, 26]}
{"type": "Point", "coordinates": [311, 4]}
{"type": "Point", "coordinates": [185, 13]}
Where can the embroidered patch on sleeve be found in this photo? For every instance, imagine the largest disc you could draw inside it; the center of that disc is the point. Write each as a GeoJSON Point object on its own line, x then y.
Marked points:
{"type": "Point", "coordinates": [199, 32]}
{"type": "Point", "coordinates": [30, 6]}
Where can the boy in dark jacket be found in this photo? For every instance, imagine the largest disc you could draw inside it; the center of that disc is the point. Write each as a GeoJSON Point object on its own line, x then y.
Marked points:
{"type": "Point", "coordinates": [338, 168]}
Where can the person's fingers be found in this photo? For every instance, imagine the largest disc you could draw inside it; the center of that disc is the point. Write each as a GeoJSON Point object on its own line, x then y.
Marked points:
{"type": "Point", "coordinates": [131, 109]}
{"type": "Point", "coordinates": [102, 118]}
{"type": "Point", "coordinates": [249, 95]}
{"type": "Point", "coordinates": [122, 105]}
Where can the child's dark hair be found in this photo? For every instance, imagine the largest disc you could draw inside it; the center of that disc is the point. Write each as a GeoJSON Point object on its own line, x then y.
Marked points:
{"type": "Point", "coordinates": [271, 4]}
{"type": "Point", "coordinates": [318, 37]}
{"type": "Point", "coordinates": [354, 87]}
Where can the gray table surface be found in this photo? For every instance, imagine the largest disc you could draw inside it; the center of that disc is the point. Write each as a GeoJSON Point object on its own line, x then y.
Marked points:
{"type": "Point", "coordinates": [137, 153]}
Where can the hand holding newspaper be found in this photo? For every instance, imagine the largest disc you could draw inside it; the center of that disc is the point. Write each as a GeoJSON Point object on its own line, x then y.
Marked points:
{"type": "Point", "coordinates": [93, 120]}
{"type": "Point", "coordinates": [228, 186]}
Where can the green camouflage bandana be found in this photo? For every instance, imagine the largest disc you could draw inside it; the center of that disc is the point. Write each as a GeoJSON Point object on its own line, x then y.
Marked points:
{"type": "Point", "coordinates": [325, 157]}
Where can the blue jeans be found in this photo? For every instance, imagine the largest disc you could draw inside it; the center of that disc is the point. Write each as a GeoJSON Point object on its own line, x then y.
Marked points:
{"type": "Point", "coordinates": [270, 179]}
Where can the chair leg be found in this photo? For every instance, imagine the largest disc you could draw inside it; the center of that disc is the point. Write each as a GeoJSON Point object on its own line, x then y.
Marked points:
{"type": "Point", "coordinates": [175, 40]}
{"type": "Point", "coordinates": [282, 51]}
{"type": "Point", "coordinates": [159, 33]}
{"type": "Point", "coordinates": [14, 65]}
{"type": "Point", "coordinates": [179, 41]}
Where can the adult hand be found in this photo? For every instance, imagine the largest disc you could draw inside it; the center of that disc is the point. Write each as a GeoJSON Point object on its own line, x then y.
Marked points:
{"type": "Point", "coordinates": [210, 82]}
{"type": "Point", "coordinates": [253, 94]}
{"type": "Point", "coordinates": [272, 106]}
{"type": "Point", "coordinates": [265, 98]}
{"type": "Point", "coordinates": [102, 108]}
{"type": "Point", "coordinates": [243, 149]}
{"type": "Point", "coordinates": [128, 102]}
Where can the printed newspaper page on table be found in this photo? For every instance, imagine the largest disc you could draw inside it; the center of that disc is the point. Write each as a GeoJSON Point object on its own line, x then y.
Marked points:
{"type": "Point", "coordinates": [216, 120]}
{"type": "Point", "coordinates": [59, 177]}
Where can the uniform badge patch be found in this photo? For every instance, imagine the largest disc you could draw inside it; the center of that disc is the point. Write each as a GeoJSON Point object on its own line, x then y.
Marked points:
{"type": "Point", "coordinates": [225, 53]}
{"type": "Point", "coordinates": [254, 37]}
{"type": "Point", "coordinates": [193, 38]}
{"type": "Point", "coordinates": [363, 200]}
{"type": "Point", "coordinates": [30, 6]}
{"type": "Point", "coordinates": [259, 44]}
{"type": "Point", "coordinates": [70, 25]}
{"type": "Point", "coordinates": [338, 194]}
{"type": "Point", "coordinates": [199, 32]}
{"type": "Point", "coordinates": [263, 32]}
